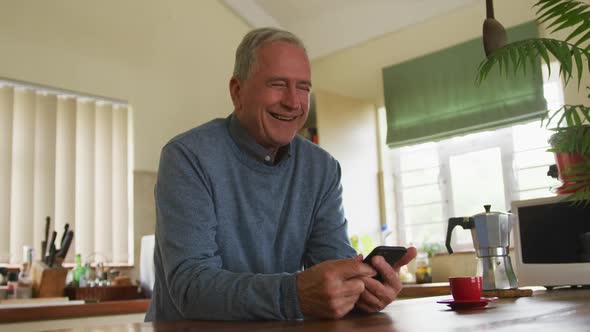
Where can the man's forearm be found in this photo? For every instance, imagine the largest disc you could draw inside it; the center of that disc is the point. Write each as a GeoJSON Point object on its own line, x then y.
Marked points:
{"type": "Point", "coordinates": [222, 295]}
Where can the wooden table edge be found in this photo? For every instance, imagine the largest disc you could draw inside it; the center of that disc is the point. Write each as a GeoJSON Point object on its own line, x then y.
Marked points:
{"type": "Point", "coordinates": [424, 290]}
{"type": "Point", "coordinates": [74, 311]}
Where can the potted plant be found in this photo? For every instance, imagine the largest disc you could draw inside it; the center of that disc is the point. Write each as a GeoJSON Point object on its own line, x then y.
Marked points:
{"type": "Point", "coordinates": [571, 123]}
{"type": "Point", "coordinates": [432, 248]}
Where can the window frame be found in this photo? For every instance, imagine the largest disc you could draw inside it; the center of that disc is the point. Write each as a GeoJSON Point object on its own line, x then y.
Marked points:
{"type": "Point", "coordinates": [502, 138]}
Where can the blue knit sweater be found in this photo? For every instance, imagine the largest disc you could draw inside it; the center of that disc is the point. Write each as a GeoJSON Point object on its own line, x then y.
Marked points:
{"type": "Point", "coordinates": [233, 231]}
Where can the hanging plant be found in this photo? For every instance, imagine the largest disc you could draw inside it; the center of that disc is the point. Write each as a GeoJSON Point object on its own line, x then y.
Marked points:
{"type": "Point", "coordinates": [570, 123]}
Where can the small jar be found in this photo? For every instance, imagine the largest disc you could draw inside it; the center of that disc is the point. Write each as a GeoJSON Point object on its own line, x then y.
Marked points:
{"type": "Point", "coordinates": [3, 274]}
{"type": "Point", "coordinates": [423, 270]}
{"type": "Point", "coordinates": [24, 289]}
{"type": "Point", "coordinates": [12, 285]}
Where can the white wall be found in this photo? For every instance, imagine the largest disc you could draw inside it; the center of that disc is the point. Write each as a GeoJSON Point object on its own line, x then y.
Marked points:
{"type": "Point", "coordinates": [171, 60]}
{"type": "Point", "coordinates": [347, 128]}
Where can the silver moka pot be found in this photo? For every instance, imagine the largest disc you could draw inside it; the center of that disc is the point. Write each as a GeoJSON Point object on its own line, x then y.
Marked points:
{"type": "Point", "coordinates": [491, 238]}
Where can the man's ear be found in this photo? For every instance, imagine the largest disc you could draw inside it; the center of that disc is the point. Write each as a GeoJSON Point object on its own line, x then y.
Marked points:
{"type": "Point", "coordinates": [235, 90]}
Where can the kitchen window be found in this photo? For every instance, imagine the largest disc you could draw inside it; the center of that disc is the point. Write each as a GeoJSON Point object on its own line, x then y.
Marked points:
{"type": "Point", "coordinates": [455, 177]}
{"type": "Point", "coordinates": [66, 156]}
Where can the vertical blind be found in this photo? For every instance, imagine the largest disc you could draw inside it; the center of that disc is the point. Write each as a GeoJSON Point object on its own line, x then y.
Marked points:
{"type": "Point", "coordinates": [435, 96]}
{"type": "Point", "coordinates": [68, 157]}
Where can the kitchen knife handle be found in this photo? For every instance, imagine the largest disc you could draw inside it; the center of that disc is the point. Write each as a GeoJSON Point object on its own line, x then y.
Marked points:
{"type": "Point", "coordinates": [63, 250]}
{"type": "Point", "coordinates": [49, 246]}
{"type": "Point", "coordinates": [43, 249]}
{"type": "Point", "coordinates": [47, 223]}
{"type": "Point", "coordinates": [63, 236]}
{"type": "Point", "coordinates": [44, 242]}
{"type": "Point", "coordinates": [51, 258]}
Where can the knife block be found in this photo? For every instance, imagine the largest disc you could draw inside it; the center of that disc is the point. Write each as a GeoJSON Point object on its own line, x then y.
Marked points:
{"type": "Point", "coordinates": [48, 281]}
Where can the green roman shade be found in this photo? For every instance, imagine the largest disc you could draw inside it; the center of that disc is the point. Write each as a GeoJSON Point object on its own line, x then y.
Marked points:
{"type": "Point", "coordinates": [436, 96]}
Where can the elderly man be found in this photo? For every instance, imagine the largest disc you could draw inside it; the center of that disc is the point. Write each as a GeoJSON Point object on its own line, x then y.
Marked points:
{"type": "Point", "coordinates": [250, 223]}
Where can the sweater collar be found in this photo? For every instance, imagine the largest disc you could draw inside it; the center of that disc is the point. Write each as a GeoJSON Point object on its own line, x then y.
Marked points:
{"type": "Point", "coordinates": [248, 145]}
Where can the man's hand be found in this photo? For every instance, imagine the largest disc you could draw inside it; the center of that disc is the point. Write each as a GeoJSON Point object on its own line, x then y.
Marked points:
{"type": "Point", "coordinates": [331, 289]}
{"type": "Point", "coordinates": [378, 295]}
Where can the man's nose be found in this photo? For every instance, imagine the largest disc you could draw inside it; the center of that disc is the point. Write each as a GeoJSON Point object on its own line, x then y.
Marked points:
{"type": "Point", "coordinates": [291, 99]}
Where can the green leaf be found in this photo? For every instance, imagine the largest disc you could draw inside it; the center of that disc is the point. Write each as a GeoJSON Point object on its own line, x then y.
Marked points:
{"type": "Point", "coordinates": [532, 55]}
{"type": "Point", "coordinates": [577, 121]}
{"type": "Point", "coordinates": [582, 28]}
{"type": "Point", "coordinates": [564, 58]}
{"type": "Point", "coordinates": [573, 16]}
{"type": "Point", "coordinates": [581, 197]}
{"type": "Point", "coordinates": [563, 117]}
{"type": "Point", "coordinates": [568, 117]}
{"type": "Point", "coordinates": [560, 10]}
{"type": "Point", "coordinates": [571, 146]}
{"type": "Point", "coordinates": [585, 112]}
{"type": "Point", "coordinates": [561, 53]}
{"type": "Point", "coordinates": [514, 57]}
{"type": "Point", "coordinates": [585, 142]}
{"type": "Point", "coordinates": [582, 39]}
{"type": "Point", "coordinates": [522, 58]}
{"type": "Point", "coordinates": [500, 64]}
{"type": "Point", "coordinates": [505, 56]}
{"type": "Point", "coordinates": [551, 12]}
{"type": "Point", "coordinates": [570, 19]}
{"type": "Point", "coordinates": [576, 186]}
{"type": "Point", "coordinates": [543, 52]}
{"type": "Point", "coordinates": [487, 66]}
{"type": "Point", "coordinates": [579, 65]}
{"type": "Point", "coordinates": [556, 113]}
{"type": "Point", "coordinates": [546, 3]}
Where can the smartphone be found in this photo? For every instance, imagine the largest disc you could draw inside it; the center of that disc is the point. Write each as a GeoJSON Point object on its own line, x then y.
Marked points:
{"type": "Point", "coordinates": [391, 255]}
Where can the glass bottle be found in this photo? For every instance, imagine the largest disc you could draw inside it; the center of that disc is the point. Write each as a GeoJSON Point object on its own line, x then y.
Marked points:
{"type": "Point", "coordinates": [79, 272]}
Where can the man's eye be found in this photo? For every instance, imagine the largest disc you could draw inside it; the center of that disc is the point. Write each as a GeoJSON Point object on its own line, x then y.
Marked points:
{"type": "Point", "coordinates": [304, 88]}
{"type": "Point", "coordinates": [278, 84]}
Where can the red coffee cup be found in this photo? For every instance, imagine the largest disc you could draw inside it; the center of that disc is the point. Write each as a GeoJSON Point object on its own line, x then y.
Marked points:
{"type": "Point", "coordinates": [465, 288]}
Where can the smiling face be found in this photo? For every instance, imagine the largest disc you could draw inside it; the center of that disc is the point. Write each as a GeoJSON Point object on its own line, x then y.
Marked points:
{"type": "Point", "coordinates": [272, 104]}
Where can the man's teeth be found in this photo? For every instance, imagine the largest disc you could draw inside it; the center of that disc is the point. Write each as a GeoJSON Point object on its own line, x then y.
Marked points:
{"type": "Point", "coordinates": [283, 118]}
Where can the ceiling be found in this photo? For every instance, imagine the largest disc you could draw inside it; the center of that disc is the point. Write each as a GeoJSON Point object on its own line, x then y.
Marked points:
{"type": "Point", "coordinates": [327, 26]}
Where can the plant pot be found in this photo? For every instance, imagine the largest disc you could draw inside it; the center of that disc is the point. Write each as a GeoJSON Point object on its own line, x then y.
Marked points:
{"type": "Point", "coordinates": [563, 161]}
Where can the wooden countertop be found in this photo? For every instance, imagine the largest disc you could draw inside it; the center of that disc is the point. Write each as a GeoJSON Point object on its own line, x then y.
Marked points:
{"type": "Point", "coordinates": [423, 290]}
{"type": "Point", "coordinates": [557, 310]}
{"type": "Point", "coordinates": [139, 306]}
{"type": "Point", "coordinates": [73, 311]}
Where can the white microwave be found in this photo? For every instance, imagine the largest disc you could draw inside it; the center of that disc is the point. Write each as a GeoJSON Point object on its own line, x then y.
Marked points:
{"type": "Point", "coordinates": [551, 242]}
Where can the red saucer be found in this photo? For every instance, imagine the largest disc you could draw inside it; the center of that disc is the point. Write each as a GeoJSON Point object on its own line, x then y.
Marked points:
{"type": "Point", "coordinates": [482, 302]}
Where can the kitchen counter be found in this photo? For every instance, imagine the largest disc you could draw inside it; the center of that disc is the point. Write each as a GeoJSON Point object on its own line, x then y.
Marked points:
{"type": "Point", "coordinates": [140, 306]}
{"type": "Point", "coordinates": [72, 311]}
{"type": "Point", "coordinates": [558, 310]}
{"type": "Point", "coordinates": [423, 290]}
